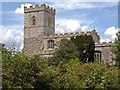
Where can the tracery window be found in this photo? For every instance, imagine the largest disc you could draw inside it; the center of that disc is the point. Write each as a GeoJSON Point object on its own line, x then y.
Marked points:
{"type": "Point", "coordinates": [50, 43]}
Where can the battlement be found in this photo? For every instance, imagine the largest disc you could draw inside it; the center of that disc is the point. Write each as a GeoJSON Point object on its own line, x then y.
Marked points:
{"type": "Point", "coordinates": [61, 35]}
{"type": "Point", "coordinates": [104, 44]}
{"type": "Point", "coordinates": [38, 8]}
{"type": "Point", "coordinates": [73, 34]}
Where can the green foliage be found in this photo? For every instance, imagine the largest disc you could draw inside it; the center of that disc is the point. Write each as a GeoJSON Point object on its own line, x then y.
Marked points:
{"type": "Point", "coordinates": [65, 52]}
{"type": "Point", "coordinates": [81, 47]}
{"type": "Point", "coordinates": [15, 71]}
{"type": "Point", "coordinates": [85, 45]}
{"type": "Point", "coordinates": [116, 48]}
{"type": "Point", "coordinates": [20, 71]}
{"type": "Point", "coordinates": [89, 75]}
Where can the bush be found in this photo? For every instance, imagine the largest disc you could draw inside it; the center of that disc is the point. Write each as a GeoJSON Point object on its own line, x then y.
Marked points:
{"type": "Point", "coordinates": [20, 71]}
{"type": "Point", "coordinates": [90, 75]}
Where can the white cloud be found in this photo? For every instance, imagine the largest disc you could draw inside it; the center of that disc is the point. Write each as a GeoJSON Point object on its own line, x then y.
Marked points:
{"type": "Point", "coordinates": [64, 25]}
{"type": "Point", "coordinates": [71, 5]}
{"type": "Point", "coordinates": [69, 25]}
{"type": "Point", "coordinates": [21, 46]}
{"type": "Point", "coordinates": [111, 31]}
{"type": "Point", "coordinates": [105, 40]}
{"type": "Point", "coordinates": [88, 0]}
{"type": "Point", "coordinates": [20, 10]}
{"type": "Point", "coordinates": [62, 0]}
{"type": "Point", "coordinates": [110, 34]}
{"type": "Point", "coordinates": [12, 35]}
{"type": "Point", "coordinates": [84, 28]}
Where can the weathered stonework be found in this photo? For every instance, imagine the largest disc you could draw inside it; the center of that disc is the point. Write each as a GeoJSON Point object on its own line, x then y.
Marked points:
{"type": "Point", "coordinates": [40, 37]}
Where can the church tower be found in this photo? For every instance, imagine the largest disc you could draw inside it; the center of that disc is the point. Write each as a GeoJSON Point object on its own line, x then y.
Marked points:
{"type": "Point", "coordinates": [39, 21]}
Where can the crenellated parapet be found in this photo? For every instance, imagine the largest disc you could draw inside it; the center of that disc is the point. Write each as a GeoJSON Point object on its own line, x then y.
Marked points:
{"type": "Point", "coordinates": [68, 35]}
{"type": "Point", "coordinates": [38, 8]}
{"type": "Point", "coordinates": [104, 44]}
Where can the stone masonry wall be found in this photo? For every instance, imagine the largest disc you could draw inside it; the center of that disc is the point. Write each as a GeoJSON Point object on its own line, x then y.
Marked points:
{"type": "Point", "coordinates": [36, 36]}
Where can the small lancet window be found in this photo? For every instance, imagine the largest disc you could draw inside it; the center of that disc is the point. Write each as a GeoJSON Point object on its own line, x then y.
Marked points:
{"type": "Point", "coordinates": [33, 20]}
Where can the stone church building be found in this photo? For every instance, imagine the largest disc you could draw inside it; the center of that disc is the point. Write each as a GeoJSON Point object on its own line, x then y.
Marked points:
{"type": "Point", "coordinates": [40, 37]}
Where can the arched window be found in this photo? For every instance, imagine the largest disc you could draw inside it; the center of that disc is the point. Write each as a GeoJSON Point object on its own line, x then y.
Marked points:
{"type": "Point", "coordinates": [50, 43]}
{"type": "Point", "coordinates": [33, 20]}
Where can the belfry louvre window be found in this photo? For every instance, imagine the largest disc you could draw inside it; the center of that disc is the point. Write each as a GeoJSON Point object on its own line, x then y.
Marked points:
{"type": "Point", "coordinates": [33, 20]}
{"type": "Point", "coordinates": [50, 43]}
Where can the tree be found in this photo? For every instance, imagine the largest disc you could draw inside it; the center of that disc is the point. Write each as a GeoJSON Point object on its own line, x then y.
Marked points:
{"type": "Point", "coordinates": [74, 74]}
{"type": "Point", "coordinates": [21, 71]}
{"type": "Point", "coordinates": [116, 48]}
{"type": "Point", "coordinates": [85, 45]}
{"type": "Point", "coordinates": [66, 51]}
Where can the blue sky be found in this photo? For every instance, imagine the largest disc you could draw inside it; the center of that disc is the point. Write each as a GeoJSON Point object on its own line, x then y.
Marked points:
{"type": "Point", "coordinates": [70, 17]}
